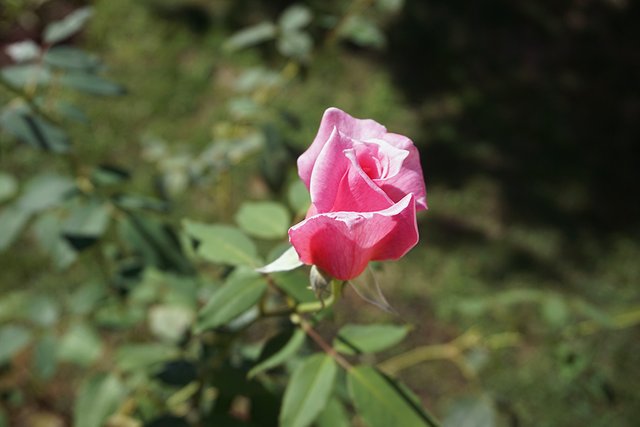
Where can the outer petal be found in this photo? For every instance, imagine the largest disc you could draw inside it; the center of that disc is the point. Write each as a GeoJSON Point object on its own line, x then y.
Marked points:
{"type": "Point", "coordinates": [342, 243]}
{"type": "Point", "coordinates": [410, 179]}
{"type": "Point", "coordinates": [350, 126]}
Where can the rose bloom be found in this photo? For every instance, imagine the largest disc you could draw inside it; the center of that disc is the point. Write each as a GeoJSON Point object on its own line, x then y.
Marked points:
{"type": "Point", "coordinates": [366, 185]}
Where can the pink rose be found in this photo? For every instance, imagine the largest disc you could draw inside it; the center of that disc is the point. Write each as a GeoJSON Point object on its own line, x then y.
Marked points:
{"type": "Point", "coordinates": [366, 185]}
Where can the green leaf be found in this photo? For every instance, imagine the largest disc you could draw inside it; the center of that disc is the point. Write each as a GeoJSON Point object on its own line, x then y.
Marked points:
{"type": "Point", "coordinates": [333, 415]}
{"type": "Point", "coordinates": [299, 198]}
{"type": "Point", "coordinates": [44, 191]}
{"type": "Point", "coordinates": [91, 83]}
{"type": "Point", "coordinates": [49, 237]}
{"type": "Point", "coordinates": [296, 284]}
{"type": "Point", "coordinates": [12, 221]}
{"type": "Point", "coordinates": [295, 17]}
{"type": "Point", "coordinates": [14, 338]}
{"type": "Point", "coordinates": [364, 32]}
{"type": "Point", "coordinates": [354, 339]}
{"type": "Point", "coordinates": [170, 322]}
{"type": "Point", "coordinates": [34, 130]}
{"type": "Point", "coordinates": [295, 44]}
{"type": "Point", "coordinates": [8, 186]}
{"type": "Point", "coordinates": [223, 244]}
{"type": "Point", "coordinates": [381, 402]}
{"type": "Point", "coordinates": [278, 350]}
{"type": "Point", "coordinates": [390, 6]}
{"type": "Point", "coordinates": [87, 222]}
{"type": "Point", "coordinates": [71, 58]}
{"type": "Point", "coordinates": [42, 310]}
{"type": "Point", "coordinates": [133, 357]}
{"type": "Point", "coordinates": [20, 76]}
{"type": "Point", "coordinates": [66, 27]}
{"type": "Point", "coordinates": [98, 398]}
{"type": "Point", "coordinates": [242, 290]}
{"type": "Point", "coordinates": [44, 360]}
{"type": "Point", "coordinates": [288, 261]}
{"type": "Point", "coordinates": [268, 220]}
{"type": "Point", "coordinates": [308, 391]}
{"type": "Point", "coordinates": [471, 412]}
{"type": "Point", "coordinates": [80, 344]}
{"type": "Point", "coordinates": [251, 36]}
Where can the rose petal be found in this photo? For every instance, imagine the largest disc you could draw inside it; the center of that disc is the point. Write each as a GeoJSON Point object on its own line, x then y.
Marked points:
{"type": "Point", "coordinates": [410, 179]}
{"type": "Point", "coordinates": [342, 243]}
{"type": "Point", "coordinates": [348, 125]}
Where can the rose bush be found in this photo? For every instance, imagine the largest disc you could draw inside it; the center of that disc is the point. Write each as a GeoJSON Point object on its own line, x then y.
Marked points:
{"type": "Point", "coordinates": [366, 185]}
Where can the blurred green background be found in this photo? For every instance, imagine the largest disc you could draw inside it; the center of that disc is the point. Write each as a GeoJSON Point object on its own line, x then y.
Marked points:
{"type": "Point", "coordinates": [526, 114]}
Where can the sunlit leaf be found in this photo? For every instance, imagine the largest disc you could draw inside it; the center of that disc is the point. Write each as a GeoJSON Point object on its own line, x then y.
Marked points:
{"type": "Point", "coordinates": [363, 31]}
{"type": "Point", "coordinates": [471, 412]}
{"type": "Point", "coordinates": [24, 75]}
{"type": "Point", "coordinates": [86, 223]}
{"type": "Point", "coordinates": [295, 17]}
{"type": "Point", "coordinates": [132, 357]}
{"type": "Point", "coordinates": [14, 338]}
{"type": "Point", "coordinates": [354, 339]}
{"type": "Point", "coordinates": [251, 36]}
{"type": "Point", "coordinates": [295, 44]}
{"type": "Point", "coordinates": [66, 27]}
{"type": "Point", "coordinates": [308, 391]}
{"type": "Point", "coordinates": [223, 244]}
{"type": "Point", "coordinates": [242, 290]}
{"type": "Point", "coordinates": [81, 344]}
{"type": "Point", "coordinates": [278, 350]}
{"type": "Point", "coordinates": [288, 261]}
{"type": "Point", "coordinates": [381, 402]}
{"type": "Point", "coordinates": [170, 322]}
{"type": "Point", "coordinates": [268, 220]}
{"type": "Point", "coordinates": [44, 191]}
{"type": "Point", "coordinates": [98, 398]}
{"type": "Point", "coordinates": [23, 51]}
{"type": "Point", "coordinates": [48, 233]}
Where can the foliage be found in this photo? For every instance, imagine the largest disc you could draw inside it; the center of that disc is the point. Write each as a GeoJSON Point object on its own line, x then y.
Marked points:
{"type": "Point", "coordinates": [148, 170]}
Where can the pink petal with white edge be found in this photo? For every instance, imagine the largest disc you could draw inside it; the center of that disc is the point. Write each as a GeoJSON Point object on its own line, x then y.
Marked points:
{"type": "Point", "coordinates": [348, 125]}
{"type": "Point", "coordinates": [342, 243]}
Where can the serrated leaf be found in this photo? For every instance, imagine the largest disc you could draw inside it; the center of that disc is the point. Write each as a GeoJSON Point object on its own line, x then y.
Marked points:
{"type": "Point", "coordinates": [71, 58]}
{"type": "Point", "coordinates": [223, 244]}
{"type": "Point", "coordinates": [471, 412]}
{"type": "Point", "coordinates": [14, 338]}
{"type": "Point", "coordinates": [278, 350]}
{"type": "Point", "coordinates": [295, 17]}
{"type": "Point", "coordinates": [288, 261]}
{"type": "Point", "coordinates": [268, 220]}
{"type": "Point", "coordinates": [242, 290]}
{"type": "Point", "coordinates": [66, 27]}
{"type": "Point", "coordinates": [354, 339]}
{"type": "Point", "coordinates": [382, 402]}
{"type": "Point", "coordinates": [91, 83]}
{"type": "Point", "coordinates": [97, 399]}
{"type": "Point", "coordinates": [308, 391]}
{"type": "Point", "coordinates": [251, 36]}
